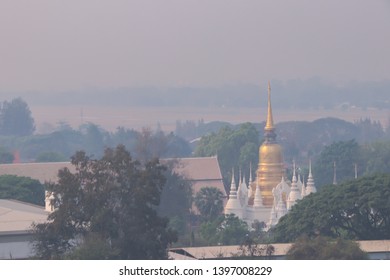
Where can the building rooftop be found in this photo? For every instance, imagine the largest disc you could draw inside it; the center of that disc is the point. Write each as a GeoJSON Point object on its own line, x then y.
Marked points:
{"type": "Point", "coordinates": [376, 249]}
{"type": "Point", "coordinates": [16, 216]}
{"type": "Point", "coordinates": [43, 172]}
{"type": "Point", "coordinates": [201, 171]}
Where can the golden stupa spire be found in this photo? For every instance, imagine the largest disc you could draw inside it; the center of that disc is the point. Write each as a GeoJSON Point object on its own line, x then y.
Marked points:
{"type": "Point", "coordinates": [270, 121]}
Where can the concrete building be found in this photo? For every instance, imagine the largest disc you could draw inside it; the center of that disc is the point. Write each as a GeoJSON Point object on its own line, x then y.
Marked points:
{"type": "Point", "coordinates": [16, 219]}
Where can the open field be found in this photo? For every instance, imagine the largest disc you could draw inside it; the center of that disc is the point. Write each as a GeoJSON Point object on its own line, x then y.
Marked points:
{"type": "Point", "coordinates": [110, 118]}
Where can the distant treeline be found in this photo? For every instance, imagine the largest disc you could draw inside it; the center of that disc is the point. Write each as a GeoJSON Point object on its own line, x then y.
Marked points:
{"type": "Point", "coordinates": [301, 94]}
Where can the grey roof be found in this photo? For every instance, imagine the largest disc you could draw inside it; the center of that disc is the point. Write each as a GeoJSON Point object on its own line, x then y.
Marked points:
{"type": "Point", "coordinates": [16, 216]}
{"type": "Point", "coordinates": [44, 172]}
{"type": "Point", "coordinates": [214, 252]}
{"type": "Point", "coordinates": [202, 171]}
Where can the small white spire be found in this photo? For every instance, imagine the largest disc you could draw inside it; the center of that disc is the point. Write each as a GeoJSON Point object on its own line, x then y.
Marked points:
{"type": "Point", "coordinates": [233, 205]}
{"type": "Point", "coordinates": [258, 201]}
{"type": "Point", "coordinates": [294, 178]}
{"type": "Point", "coordinates": [294, 194]}
{"type": "Point", "coordinates": [334, 173]}
{"type": "Point", "coordinates": [310, 188]}
{"type": "Point", "coordinates": [303, 190]}
{"type": "Point", "coordinates": [233, 188]}
{"type": "Point", "coordinates": [243, 193]}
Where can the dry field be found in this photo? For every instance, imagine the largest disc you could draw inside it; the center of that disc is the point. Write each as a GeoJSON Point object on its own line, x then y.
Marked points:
{"type": "Point", "coordinates": [110, 118]}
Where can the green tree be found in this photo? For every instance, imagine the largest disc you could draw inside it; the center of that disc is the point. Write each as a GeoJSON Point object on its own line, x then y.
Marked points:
{"type": "Point", "coordinates": [113, 199]}
{"type": "Point", "coordinates": [16, 119]}
{"type": "Point", "coordinates": [377, 157]}
{"type": "Point", "coordinates": [357, 209]}
{"type": "Point", "coordinates": [22, 188]}
{"type": "Point", "coordinates": [321, 248]}
{"type": "Point", "coordinates": [50, 157]}
{"type": "Point", "coordinates": [6, 156]}
{"type": "Point", "coordinates": [94, 139]}
{"type": "Point", "coordinates": [234, 147]}
{"type": "Point", "coordinates": [176, 199]}
{"type": "Point", "coordinates": [209, 201]}
{"type": "Point", "coordinates": [225, 230]}
{"type": "Point", "coordinates": [345, 154]}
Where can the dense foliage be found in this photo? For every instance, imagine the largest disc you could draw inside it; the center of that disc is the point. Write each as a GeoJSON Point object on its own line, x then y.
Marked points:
{"type": "Point", "coordinates": [345, 154]}
{"type": "Point", "coordinates": [357, 209]}
{"type": "Point", "coordinates": [209, 201]}
{"type": "Point", "coordinates": [64, 141]}
{"type": "Point", "coordinates": [107, 204]}
{"type": "Point", "coordinates": [321, 248]}
{"type": "Point", "coordinates": [21, 188]}
{"type": "Point", "coordinates": [234, 147]}
{"type": "Point", "coordinates": [176, 199]}
{"type": "Point", "coordinates": [224, 230]}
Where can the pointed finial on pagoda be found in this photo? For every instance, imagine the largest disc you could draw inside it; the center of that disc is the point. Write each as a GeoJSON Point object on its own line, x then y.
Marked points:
{"type": "Point", "coordinates": [310, 185]}
{"type": "Point", "coordinates": [233, 184]}
{"type": "Point", "coordinates": [294, 178]}
{"type": "Point", "coordinates": [270, 121]}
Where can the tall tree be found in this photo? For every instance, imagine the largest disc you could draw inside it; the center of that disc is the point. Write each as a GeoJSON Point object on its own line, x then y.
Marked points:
{"type": "Point", "coordinates": [209, 201]}
{"type": "Point", "coordinates": [113, 200]}
{"type": "Point", "coordinates": [16, 119]}
{"type": "Point", "coordinates": [176, 199]}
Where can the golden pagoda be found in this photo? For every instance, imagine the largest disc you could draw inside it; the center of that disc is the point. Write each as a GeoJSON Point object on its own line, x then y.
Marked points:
{"type": "Point", "coordinates": [271, 167]}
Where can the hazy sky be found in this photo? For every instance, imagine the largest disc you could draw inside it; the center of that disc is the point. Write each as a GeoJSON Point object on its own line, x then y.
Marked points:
{"type": "Point", "coordinates": [54, 45]}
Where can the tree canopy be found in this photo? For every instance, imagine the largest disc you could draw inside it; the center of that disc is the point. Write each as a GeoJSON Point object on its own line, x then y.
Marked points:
{"type": "Point", "coordinates": [15, 118]}
{"type": "Point", "coordinates": [209, 201]}
{"type": "Point", "coordinates": [234, 148]}
{"type": "Point", "coordinates": [110, 201]}
{"type": "Point", "coordinates": [176, 199]}
{"type": "Point", "coordinates": [345, 154]}
{"type": "Point", "coordinates": [357, 209]}
{"type": "Point", "coordinates": [321, 248]}
{"type": "Point", "coordinates": [224, 230]}
{"type": "Point", "coordinates": [22, 188]}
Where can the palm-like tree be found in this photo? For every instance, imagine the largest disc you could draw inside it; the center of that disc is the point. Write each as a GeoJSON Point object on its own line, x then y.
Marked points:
{"type": "Point", "coordinates": [209, 201]}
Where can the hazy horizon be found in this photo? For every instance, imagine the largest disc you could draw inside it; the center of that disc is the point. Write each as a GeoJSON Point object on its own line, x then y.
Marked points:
{"type": "Point", "coordinates": [58, 46]}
